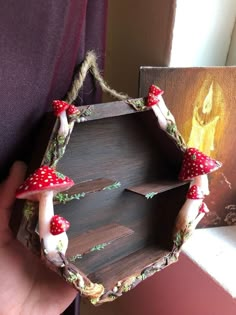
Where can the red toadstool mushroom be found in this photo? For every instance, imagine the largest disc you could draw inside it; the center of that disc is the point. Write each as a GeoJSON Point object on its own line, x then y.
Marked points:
{"type": "Point", "coordinates": [59, 108]}
{"type": "Point", "coordinates": [72, 110]}
{"type": "Point", "coordinates": [195, 193]}
{"type": "Point", "coordinates": [196, 165]}
{"type": "Point", "coordinates": [203, 208]}
{"type": "Point", "coordinates": [156, 101]}
{"type": "Point", "coordinates": [41, 186]}
{"type": "Point", "coordinates": [152, 101]}
{"type": "Point", "coordinates": [153, 95]}
{"type": "Point", "coordinates": [201, 213]}
{"type": "Point", "coordinates": [58, 225]}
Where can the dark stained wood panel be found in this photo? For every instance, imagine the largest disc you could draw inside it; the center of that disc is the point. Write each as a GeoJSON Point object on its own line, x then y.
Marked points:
{"type": "Point", "coordinates": [128, 265]}
{"type": "Point", "coordinates": [118, 249]}
{"type": "Point", "coordinates": [157, 188]}
{"type": "Point", "coordinates": [110, 109]}
{"type": "Point", "coordinates": [90, 186]}
{"type": "Point", "coordinates": [106, 234]}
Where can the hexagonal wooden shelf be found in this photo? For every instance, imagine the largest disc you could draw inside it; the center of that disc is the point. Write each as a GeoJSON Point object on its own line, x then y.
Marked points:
{"type": "Point", "coordinates": [125, 170]}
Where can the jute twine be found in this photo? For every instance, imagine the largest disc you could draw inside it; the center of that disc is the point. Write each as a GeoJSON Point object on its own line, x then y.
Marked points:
{"type": "Point", "coordinates": [90, 64]}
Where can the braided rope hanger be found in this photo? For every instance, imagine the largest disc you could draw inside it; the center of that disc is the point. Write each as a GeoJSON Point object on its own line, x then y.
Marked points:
{"type": "Point", "coordinates": [90, 64]}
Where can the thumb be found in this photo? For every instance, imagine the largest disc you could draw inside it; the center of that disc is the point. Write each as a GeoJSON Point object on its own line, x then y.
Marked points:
{"type": "Point", "coordinates": [8, 188]}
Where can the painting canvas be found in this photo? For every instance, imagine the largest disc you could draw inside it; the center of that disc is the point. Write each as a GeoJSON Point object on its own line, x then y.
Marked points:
{"type": "Point", "coordinates": [203, 103]}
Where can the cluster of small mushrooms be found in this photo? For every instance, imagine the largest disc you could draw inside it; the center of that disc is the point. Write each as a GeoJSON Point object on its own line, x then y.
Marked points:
{"type": "Point", "coordinates": [62, 110]}
{"type": "Point", "coordinates": [43, 185]}
{"type": "Point", "coordinates": [195, 167]}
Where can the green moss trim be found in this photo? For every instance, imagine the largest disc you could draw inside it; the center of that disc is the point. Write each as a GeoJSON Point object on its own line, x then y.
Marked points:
{"type": "Point", "coordinates": [181, 236]}
{"type": "Point", "coordinates": [151, 195]}
{"type": "Point", "coordinates": [113, 186]}
{"type": "Point", "coordinates": [173, 131]}
{"type": "Point", "coordinates": [59, 246]}
{"type": "Point", "coordinates": [60, 175]}
{"type": "Point", "coordinates": [75, 257]}
{"type": "Point", "coordinates": [64, 198]}
{"type": "Point", "coordinates": [93, 249]}
{"type": "Point", "coordinates": [72, 277]}
{"type": "Point", "coordinates": [137, 104]}
{"type": "Point", "coordinates": [99, 247]}
{"type": "Point", "coordinates": [29, 209]}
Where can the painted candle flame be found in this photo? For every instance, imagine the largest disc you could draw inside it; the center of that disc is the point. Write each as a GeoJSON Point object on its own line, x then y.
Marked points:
{"type": "Point", "coordinates": [206, 115]}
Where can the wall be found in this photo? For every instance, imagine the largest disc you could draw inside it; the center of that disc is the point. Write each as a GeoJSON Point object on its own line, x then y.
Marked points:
{"type": "Point", "coordinates": [151, 33]}
{"type": "Point", "coordinates": [139, 33]}
{"type": "Point", "coordinates": [202, 32]}
{"type": "Point", "coordinates": [231, 59]}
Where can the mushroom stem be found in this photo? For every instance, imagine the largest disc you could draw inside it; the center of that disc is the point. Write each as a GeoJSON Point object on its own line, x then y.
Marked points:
{"type": "Point", "coordinates": [161, 118]}
{"type": "Point", "coordinates": [197, 220]}
{"type": "Point", "coordinates": [164, 109]}
{"type": "Point", "coordinates": [64, 128]}
{"type": "Point", "coordinates": [46, 212]}
{"type": "Point", "coordinates": [188, 213]}
{"type": "Point", "coordinates": [52, 243]}
{"type": "Point", "coordinates": [202, 182]}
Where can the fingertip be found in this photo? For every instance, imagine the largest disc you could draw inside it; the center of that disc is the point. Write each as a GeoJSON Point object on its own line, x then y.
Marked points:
{"type": "Point", "coordinates": [14, 180]}
{"type": "Point", "coordinates": [18, 169]}
{"type": "Point", "coordinates": [16, 175]}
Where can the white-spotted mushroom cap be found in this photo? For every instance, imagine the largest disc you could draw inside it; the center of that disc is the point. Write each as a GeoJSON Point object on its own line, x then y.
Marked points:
{"type": "Point", "coordinates": [196, 163]}
{"type": "Point", "coordinates": [72, 110]}
{"type": "Point", "coordinates": [43, 179]}
{"type": "Point", "coordinates": [59, 107]}
{"type": "Point", "coordinates": [153, 95]}
{"type": "Point", "coordinates": [155, 90]}
{"type": "Point", "coordinates": [195, 192]}
{"type": "Point", "coordinates": [58, 225]}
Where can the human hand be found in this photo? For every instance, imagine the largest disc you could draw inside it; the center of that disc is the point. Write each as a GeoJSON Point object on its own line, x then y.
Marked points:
{"type": "Point", "coordinates": [27, 286]}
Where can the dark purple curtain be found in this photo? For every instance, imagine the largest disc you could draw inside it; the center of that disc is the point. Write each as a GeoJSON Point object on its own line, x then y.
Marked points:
{"type": "Point", "coordinates": [41, 42]}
